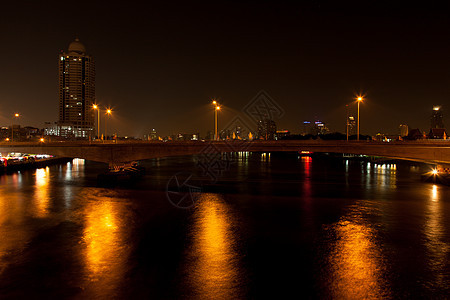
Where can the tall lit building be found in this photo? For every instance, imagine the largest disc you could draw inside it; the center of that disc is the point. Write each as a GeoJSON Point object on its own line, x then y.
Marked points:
{"type": "Point", "coordinates": [437, 119]}
{"type": "Point", "coordinates": [76, 92]}
{"type": "Point", "coordinates": [404, 130]}
{"type": "Point", "coordinates": [267, 129]}
{"type": "Point", "coordinates": [351, 123]}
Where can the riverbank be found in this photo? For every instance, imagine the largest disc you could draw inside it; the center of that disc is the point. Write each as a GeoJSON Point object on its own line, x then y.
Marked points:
{"type": "Point", "coordinates": [33, 164]}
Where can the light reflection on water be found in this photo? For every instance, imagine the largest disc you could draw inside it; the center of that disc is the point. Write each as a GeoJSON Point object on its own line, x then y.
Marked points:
{"type": "Point", "coordinates": [356, 262]}
{"type": "Point", "coordinates": [102, 232]}
{"type": "Point", "coordinates": [12, 214]}
{"type": "Point", "coordinates": [41, 194]}
{"type": "Point", "coordinates": [435, 232]}
{"type": "Point", "coordinates": [214, 271]}
{"type": "Point", "coordinates": [105, 251]}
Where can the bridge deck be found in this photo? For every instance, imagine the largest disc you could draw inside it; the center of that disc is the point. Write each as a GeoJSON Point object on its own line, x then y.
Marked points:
{"type": "Point", "coordinates": [427, 151]}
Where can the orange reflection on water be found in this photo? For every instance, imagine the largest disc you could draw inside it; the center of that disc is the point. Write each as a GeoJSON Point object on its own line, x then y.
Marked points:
{"type": "Point", "coordinates": [215, 270]}
{"type": "Point", "coordinates": [13, 235]}
{"type": "Point", "coordinates": [41, 195]}
{"type": "Point", "coordinates": [435, 233]}
{"type": "Point", "coordinates": [356, 262]}
{"type": "Point", "coordinates": [105, 251]}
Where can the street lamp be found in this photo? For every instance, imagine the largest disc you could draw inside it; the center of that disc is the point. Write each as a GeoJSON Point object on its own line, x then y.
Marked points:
{"type": "Point", "coordinates": [214, 102]}
{"type": "Point", "coordinates": [359, 99]}
{"type": "Point", "coordinates": [217, 122]}
{"type": "Point", "coordinates": [95, 107]}
{"type": "Point", "coordinates": [108, 113]}
{"type": "Point", "coordinates": [16, 115]}
{"type": "Point", "coordinates": [346, 127]}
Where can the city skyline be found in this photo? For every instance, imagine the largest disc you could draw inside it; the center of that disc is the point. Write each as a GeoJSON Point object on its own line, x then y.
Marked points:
{"type": "Point", "coordinates": [311, 59]}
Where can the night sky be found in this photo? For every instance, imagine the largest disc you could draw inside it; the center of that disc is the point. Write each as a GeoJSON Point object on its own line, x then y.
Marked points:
{"type": "Point", "coordinates": [159, 65]}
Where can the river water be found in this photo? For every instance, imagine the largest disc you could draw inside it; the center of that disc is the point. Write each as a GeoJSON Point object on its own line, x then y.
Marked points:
{"type": "Point", "coordinates": [268, 225]}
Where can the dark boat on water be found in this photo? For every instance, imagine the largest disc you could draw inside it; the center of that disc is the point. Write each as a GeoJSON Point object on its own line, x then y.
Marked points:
{"type": "Point", "coordinates": [118, 174]}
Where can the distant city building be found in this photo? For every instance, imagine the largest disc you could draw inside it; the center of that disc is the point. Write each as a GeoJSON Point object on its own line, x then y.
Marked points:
{"type": "Point", "coordinates": [415, 134]}
{"type": "Point", "coordinates": [282, 133]}
{"type": "Point", "coordinates": [153, 135]}
{"type": "Point", "coordinates": [76, 92]}
{"type": "Point", "coordinates": [186, 137]}
{"type": "Point", "coordinates": [438, 133]}
{"type": "Point", "coordinates": [403, 130]}
{"type": "Point", "coordinates": [351, 125]}
{"type": "Point", "coordinates": [209, 135]}
{"type": "Point", "coordinates": [319, 128]}
{"type": "Point", "coordinates": [437, 118]}
{"type": "Point", "coordinates": [306, 127]}
{"type": "Point", "coordinates": [267, 129]}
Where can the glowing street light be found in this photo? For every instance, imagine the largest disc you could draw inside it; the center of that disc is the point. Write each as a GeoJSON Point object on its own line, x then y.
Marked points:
{"type": "Point", "coordinates": [95, 107]}
{"type": "Point", "coordinates": [359, 99]}
{"type": "Point", "coordinates": [108, 113]}
{"type": "Point", "coordinates": [217, 121]}
{"type": "Point", "coordinates": [16, 115]}
{"type": "Point", "coordinates": [216, 109]}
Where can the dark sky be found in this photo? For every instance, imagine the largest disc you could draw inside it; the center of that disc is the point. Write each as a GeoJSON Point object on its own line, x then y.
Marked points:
{"type": "Point", "coordinates": [159, 64]}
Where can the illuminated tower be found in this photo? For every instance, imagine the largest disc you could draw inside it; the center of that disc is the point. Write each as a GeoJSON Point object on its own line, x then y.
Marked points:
{"type": "Point", "coordinates": [76, 92]}
{"type": "Point", "coordinates": [437, 119]}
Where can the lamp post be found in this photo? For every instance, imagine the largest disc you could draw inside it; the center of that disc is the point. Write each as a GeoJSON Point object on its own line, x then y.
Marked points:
{"type": "Point", "coordinates": [16, 115]}
{"type": "Point", "coordinates": [346, 106]}
{"type": "Point", "coordinates": [95, 107]}
{"type": "Point", "coordinates": [359, 99]}
{"type": "Point", "coordinates": [108, 113]}
{"type": "Point", "coordinates": [216, 110]}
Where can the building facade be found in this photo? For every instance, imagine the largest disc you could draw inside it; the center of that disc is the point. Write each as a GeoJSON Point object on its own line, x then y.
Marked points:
{"type": "Point", "coordinates": [403, 130]}
{"type": "Point", "coordinates": [267, 129]}
{"type": "Point", "coordinates": [437, 118]}
{"type": "Point", "coordinates": [76, 92]}
{"type": "Point", "coordinates": [351, 123]}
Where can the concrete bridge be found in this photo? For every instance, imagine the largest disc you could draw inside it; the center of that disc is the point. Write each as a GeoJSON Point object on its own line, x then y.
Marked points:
{"type": "Point", "coordinates": [122, 152]}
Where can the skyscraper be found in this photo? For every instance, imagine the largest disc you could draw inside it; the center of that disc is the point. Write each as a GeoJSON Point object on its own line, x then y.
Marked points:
{"type": "Point", "coordinates": [267, 129]}
{"type": "Point", "coordinates": [76, 92]}
{"type": "Point", "coordinates": [437, 119]}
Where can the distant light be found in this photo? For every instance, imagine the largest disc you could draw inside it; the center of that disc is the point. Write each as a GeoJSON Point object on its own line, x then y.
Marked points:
{"type": "Point", "coordinates": [62, 58]}
{"type": "Point", "coordinates": [214, 102]}
{"type": "Point", "coordinates": [95, 106]}
{"type": "Point", "coordinates": [7, 139]}
{"type": "Point", "coordinates": [360, 98]}
{"type": "Point", "coordinates": [108, 111]}
{"type": "Point", "coordinates": [16, 115]}
{"type": "Point", "coordinates": [41, 140]}
{"type": "Point", "coordinates": [434, 172]}
{"type": "Point", "coordinates": [436, 107]}
{"type": "Point", "coordinates": [217, 107]}
{"type": "Point", "coordinates": [306, 122]}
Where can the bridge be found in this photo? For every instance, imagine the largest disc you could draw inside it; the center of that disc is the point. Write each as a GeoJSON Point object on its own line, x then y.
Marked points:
{"type": "Point", "coordinates": [437, 151]}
